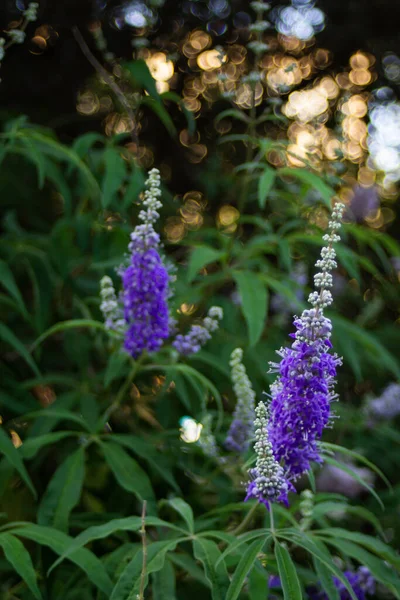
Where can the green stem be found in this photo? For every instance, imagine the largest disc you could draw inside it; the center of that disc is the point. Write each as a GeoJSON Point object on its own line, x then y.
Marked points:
{"type": "Point", "coordinates": [271, 518]}
{"type": "Point", "coordinates": [124, 388]}
{"type": "Point", "coordinates": [243, 525]}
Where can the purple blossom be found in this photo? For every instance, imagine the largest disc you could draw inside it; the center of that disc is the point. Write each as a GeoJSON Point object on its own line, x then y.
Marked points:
{"type": "Point", "coordinates": [386, 406]}
{"type": "Point", "coordinates": [198, 334]}
{"type": "Point", "coordinates": [362, 582]}
{"type": "Point", "coordinates": [145, 293]}
{"type": "Point", "coordinates": [302, 395]}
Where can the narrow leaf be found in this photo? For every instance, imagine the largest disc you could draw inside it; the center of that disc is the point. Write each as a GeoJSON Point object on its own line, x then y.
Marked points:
{"type": "Point", "coordinates": [63, 492]}
{"type": "Point", "coordinates": [287, 573]}
{"type": "Point", "coordinates": [14, 458]}
{"type": "Point", "coordinates": [207, 553]}
{"type": "Point", "coordinates": [19, 557]}
{"type": "Point", "coordinates": [244, 566]}
{"type": "Point", "coordinates": [7, 280]}
{"type": "Point", "coordinates": [265, 184]}
{"type": "Point", "coordinates": [200, 257]}
{"type": "Point", "coordinates": [254, 296]}
{"type": "Point", "coordinates": [184, 510]}
{"type": "Point", "coordinates": [8, 336]}
{"type": "Point", "coordinates": [326, 580]}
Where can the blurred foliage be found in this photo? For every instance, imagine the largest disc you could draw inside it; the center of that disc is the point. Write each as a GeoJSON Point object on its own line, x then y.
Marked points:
{"type": "Point", "coordinates": [90, 437]}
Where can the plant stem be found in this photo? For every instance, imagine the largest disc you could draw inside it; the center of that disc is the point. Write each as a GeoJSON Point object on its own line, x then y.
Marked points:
{"type": "Point", "coordinates": [243, 525]}
{"type": "Point", "coordinates": [108, 78]}
{"type": "Point", "coordinates": [271, 518]}
{"type": "Point", "coordinates": [124, 388]}
{"type": "Point", "coordinates": [144, 550]}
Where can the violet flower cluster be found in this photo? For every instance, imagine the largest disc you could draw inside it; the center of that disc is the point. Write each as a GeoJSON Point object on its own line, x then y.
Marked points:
{"type": "Point", "coordinates": [361, 580]}
{"type": "Point", "coordinates": [387, 405]}
{"type": "Point", "coordinates": [242, 427]}
{"type": "Point", "coordinates": [145, 281]}
{"type": "Point", "coordinates": [301, 396]}
{"type": "Point", "coordinates": [141, 313]}
{"type": "Point", "coordinates": [268, 482]}
{"type": "Point", "coordinates": [198, 334]}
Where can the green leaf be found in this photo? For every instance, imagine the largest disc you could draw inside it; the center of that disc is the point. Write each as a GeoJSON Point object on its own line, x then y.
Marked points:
{"type": "Point", "coordinates": [135, 186]}
{"type": "Point", "coordinates": [14, 458]}
{"type": "Point", "coordinates": [115, 171]}
{"type": "Point", "coordinates": [18, 556]}
{"type": "Point", "coordinates": [63, 492]}
{"type": "Point", "coordinates": [254, 296]}
{"type": "Point", "coordinates": [360, 458]}
{"type": "Point", "coordinates": [64, 326]}
{"type": "Point", "coordinates": [244, 538]}
{"type": "Point", "coordinates": [8, 336]}
{"type": "Point", "coordinates": [379, 569]}
{"type": "Point", "coordinates": [200, 257]}
{"type": "Point", "coordinates": [59, 542]}
{"type": "Point", "coordinates": [372, 543]}
{"type": "Point", "coordinates": [31, 446]}
{"type": "Point", "coordinates": [244, 566]}
{"type": "Point", "coordinates": [287, 573]}
{"type": "Point", "coordinates": [146, 450]}
{"type": "Point", "coordinates": [163, 586]}
{"type": "Point", "coordinates": [115, 366]}
{"type": "Point", "coordinates": [140, 72]}
{"type": "Point", "coordinates": [159, 110]}
{"type": "Point", "coordinates": [187, 564]}
{"type": "Point", "coordinates": [127, 472]}
{"type": "Point", "coordinates": [128, 585]}
{"type": "Point", "coordinates": [312, 180]}
{"type": "Point", "coordinates": [258, 583]}
{"type": "Point", "coordinates": [191, 122]}
{"type": "Point", "coordinates": [208, 554]}
{"type": "Point", "coordinates": [265, 184]}
{"type": "Point", "coordinates": [325, 579]}
{"type": "Point", "coordinates": [7, 280]}
{"type": "Point", "coordinates": [356, 476]}
{"type": "Point", "coordinates": [98, 532]}
{"type": "Point", "coordinates": [184, 510]}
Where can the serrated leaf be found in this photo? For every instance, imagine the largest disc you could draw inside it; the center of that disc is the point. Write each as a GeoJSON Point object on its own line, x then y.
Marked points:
{"type": "Point", "coordinates": [265, 183]}
{"type": "Point", "coordinates": [59, 542]}
{"type": "Point", "coordinates": [254, 297]}
{"type": "Point", "coordinates": [18, 556]}
{"type": "Point", "coordinates": [128, 584]}
{"type": "Point", "coordinates": [200, 257]}
{"type": "Point", "coordinates": [244, 566]}
{"type": "Point", "coordinates": [114, 175]}
{"type": "Point", "coordinates": [14, 458]}
{"type": "Point", "coordinates": [208, 553]}
{"type": "Point", "coordinates": [63, 492]}
{"type": "Point", "coordinates": [287, 573]}
{"type": "Point", "coordinates": [9, 338]}
{"type": "Point", "coordinates": [184, 510]}
{"type": "Point", "coordinates": [127, 472]}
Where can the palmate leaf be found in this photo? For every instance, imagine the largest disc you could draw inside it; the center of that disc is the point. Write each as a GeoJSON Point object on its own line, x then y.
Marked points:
{"type": "Point", "coordinates": [244, 566]}
{"type": "Point", "coordinates": [17, 555]}
{"type": "Point", "coordinates": [63, 492]}
{"type": "Point", "coordinates": [59, 542]}
{"type": "Point", "coordinates": [287, 573]}
{"type": "Point", "coordinates": [128, 584]}
{"type": "Point", "coordinates": [14, 458]}
{"type": "Point", "coordinates": [208, 553]}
